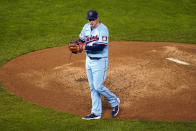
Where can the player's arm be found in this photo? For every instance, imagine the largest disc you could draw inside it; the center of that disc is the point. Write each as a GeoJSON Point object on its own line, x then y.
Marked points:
{"type": "Point", "coordinates": [81, 41]}
{"type": "Point", "coordinates": [82, 35]}
{"type": "Point", "coordinates": [96, 47]}
{"type": "Point", "coordinates": [100, 45]}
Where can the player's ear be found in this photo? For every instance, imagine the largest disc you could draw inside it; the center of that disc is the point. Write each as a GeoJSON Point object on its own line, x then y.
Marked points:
{"type": "Point", "coordinates": [97, 19]}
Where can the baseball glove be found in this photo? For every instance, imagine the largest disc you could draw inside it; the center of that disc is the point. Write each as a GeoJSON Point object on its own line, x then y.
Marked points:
{"type": "Point", "coordinates": [75, 47]}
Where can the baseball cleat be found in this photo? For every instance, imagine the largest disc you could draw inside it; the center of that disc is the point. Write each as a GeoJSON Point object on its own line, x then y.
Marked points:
{"type": "Point", "coordinates": [91, 117]}
{"type": "Point", "coordinates": [115, 109]}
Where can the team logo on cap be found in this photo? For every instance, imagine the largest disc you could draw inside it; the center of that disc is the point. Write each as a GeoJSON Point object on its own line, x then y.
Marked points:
{"type": "Point", "coordinates": [90, 13]}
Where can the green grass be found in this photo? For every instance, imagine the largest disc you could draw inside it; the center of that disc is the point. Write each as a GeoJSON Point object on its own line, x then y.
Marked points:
{"type": "Point", "coordinates": [17, 114]}
{"type": "Point", "coordinates": [29, 25]}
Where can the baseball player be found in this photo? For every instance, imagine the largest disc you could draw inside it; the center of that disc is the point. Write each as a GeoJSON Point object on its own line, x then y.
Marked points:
{"type": "Point", "coordinates": [94, 37]}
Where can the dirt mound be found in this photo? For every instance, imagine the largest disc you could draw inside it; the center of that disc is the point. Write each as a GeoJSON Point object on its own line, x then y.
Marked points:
{"type": "Point", "coordinates": [150, 86]}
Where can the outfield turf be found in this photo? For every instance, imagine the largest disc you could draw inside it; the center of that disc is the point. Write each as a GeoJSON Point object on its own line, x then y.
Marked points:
{"type": "Point", "coordinates": [30, 25]}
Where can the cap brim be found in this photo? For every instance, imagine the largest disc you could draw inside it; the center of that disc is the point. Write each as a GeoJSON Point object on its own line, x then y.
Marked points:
{"type": "Point", "coordinates": [91, 18]}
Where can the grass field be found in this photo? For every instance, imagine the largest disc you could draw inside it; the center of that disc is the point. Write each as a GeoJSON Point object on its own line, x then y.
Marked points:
{"type": "Point", "coordinates": [30, 25]}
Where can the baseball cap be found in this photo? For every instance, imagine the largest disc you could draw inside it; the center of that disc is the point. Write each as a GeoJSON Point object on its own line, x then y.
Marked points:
{"type": "Point", "coordinates": [92, 15]}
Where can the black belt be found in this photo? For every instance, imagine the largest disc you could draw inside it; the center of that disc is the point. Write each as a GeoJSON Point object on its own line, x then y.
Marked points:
{"type": "Point", "coordinates": [95, 58]}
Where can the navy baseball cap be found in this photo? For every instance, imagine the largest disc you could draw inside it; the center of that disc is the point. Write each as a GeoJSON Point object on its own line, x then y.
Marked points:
{"type": "Point", "coordinates": [92, 15]}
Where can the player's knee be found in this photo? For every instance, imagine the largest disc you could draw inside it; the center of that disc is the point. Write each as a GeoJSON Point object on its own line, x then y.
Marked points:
{"type": "Point", "coordinates": [98, 88]}
{"type": "Point", "coordinates": [92, 87]}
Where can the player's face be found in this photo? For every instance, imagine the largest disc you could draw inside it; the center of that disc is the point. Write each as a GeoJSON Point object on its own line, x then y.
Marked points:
{"type": "Point", "coordinates": [94, 23]}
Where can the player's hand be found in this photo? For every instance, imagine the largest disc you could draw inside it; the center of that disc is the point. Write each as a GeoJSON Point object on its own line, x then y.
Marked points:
{"type": "Point", "coordinates": [84, 45]}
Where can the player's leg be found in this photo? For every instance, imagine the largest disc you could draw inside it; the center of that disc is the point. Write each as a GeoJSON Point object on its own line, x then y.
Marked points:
{"type": "Point", "coordinates": [95, 96]}
{"type": "Point", "coordinates": [99, 71]}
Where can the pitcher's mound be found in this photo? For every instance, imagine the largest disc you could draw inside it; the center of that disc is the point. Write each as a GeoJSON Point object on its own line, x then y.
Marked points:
{"type": "Point", "coordinates": [154, 81]}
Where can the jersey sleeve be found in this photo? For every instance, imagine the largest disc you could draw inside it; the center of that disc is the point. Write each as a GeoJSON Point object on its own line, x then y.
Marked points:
{"type": "Point", "coordinates": [82, 34]}
{"type": "Point", "coordinates": [103, 36]}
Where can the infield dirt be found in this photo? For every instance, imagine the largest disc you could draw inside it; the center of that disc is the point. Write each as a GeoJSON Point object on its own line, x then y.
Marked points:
{"type": "Point", "coordinates": [149, 86]}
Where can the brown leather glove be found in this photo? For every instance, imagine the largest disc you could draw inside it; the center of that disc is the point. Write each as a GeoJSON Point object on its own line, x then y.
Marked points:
{"type": "Point", "coordinates": [75, 46]}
